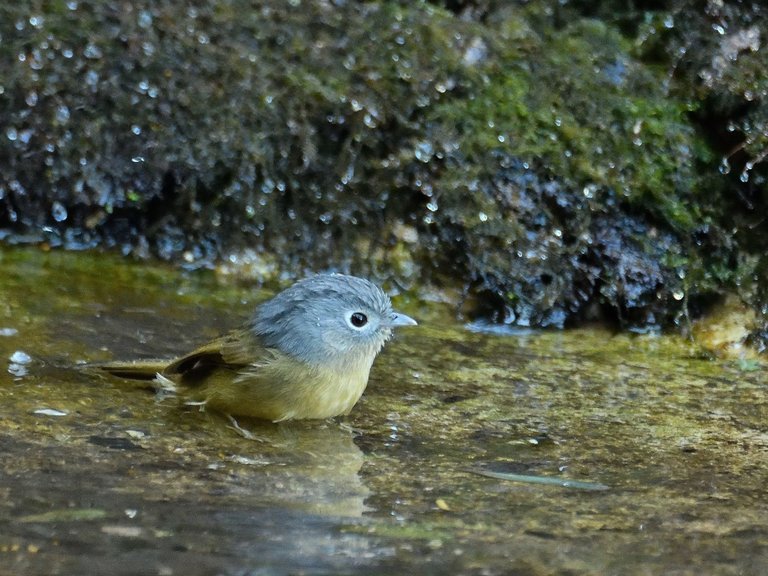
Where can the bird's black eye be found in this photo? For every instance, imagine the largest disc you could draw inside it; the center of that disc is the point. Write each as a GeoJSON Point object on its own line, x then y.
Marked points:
{"type": "Point", "coordinates": [358, 319]}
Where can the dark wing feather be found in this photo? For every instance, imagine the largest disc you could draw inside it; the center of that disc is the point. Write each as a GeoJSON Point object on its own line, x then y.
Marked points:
{"type": "Point", "coordinates": [232, 351]}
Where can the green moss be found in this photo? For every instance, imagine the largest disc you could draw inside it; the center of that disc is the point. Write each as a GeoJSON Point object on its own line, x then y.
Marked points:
{"type": "Point", "coordinates": [557, 130]}
{"type": "Point", "coordinates": [610, 124]}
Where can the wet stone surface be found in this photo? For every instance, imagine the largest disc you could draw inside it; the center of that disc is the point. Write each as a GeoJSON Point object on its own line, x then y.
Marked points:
{"type": "Point", "coordinates": [100, 477]}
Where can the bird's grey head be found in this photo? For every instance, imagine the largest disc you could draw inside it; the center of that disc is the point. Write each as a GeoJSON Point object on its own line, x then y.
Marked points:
{"type": "Point", "coordinates": [329, 318]}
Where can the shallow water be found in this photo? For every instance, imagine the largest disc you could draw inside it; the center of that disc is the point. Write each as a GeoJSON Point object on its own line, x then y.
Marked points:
{"type": "Point", "coordinates": [100, 477]}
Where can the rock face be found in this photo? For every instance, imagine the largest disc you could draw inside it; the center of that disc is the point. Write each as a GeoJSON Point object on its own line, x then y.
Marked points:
{"type": "Point", "coordinates": [566, 160]}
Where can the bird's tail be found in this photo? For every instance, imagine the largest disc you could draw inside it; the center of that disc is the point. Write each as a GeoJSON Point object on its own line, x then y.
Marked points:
{"type": "Point", "coordinates": [135, 370]}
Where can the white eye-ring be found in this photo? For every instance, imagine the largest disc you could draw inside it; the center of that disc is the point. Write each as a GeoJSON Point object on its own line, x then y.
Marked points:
{"type": "Point", "coordinates": [357, 320]}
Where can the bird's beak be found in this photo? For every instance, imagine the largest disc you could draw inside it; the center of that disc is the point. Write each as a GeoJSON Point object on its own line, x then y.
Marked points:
{"type": "Point", "coordinates": [400, 319]}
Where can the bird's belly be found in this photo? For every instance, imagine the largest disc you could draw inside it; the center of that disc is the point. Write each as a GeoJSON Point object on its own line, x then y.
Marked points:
{"type": "Point", "coordinates": [335, 396]}
{"type": "Point", "coordinates": [315, 395]}
{"type": "Point", "coordinates": [335, 400]}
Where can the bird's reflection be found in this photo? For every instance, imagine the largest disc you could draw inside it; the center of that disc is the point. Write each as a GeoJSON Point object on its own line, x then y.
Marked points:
{"type": "Point", "coordinates": [318, 466]}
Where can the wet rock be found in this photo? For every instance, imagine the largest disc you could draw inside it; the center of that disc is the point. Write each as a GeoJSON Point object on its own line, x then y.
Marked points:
{"type": "Point", "coordinates": [553, 159]}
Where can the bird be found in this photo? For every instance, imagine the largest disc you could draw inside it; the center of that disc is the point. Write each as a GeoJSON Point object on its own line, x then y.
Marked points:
{"type": "Point", "coordinates": [304, 354]}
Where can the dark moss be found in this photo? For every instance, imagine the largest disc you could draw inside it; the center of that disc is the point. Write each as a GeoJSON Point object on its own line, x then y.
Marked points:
{"type": "Point", "coordinates": [557, 163]}
{"type": "Point", "coordinates": [191, 132]}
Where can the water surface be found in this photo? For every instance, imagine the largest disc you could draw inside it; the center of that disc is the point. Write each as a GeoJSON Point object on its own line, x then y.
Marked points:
{"type": "Point", "coordinates": [99, 476]}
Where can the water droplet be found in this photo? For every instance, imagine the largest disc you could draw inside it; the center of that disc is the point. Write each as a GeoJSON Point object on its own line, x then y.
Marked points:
{"type": "Point", "coordinates": [92, 52]}
{"type": "Point", "coordinates": [678, 295]}
{"type": "Point", "coordinates": [424, 151]}
{"type": "Point", "coordinates": [31, 98]}
{"type": "Point", "coordinates": [725, 166]}
{"type": "Point", "coordinates": [72, 4]}
{"type": "Point", "coordinates": [501, 138]}
{"type": "Point", "coordinates": [476, 52]}
{"type": "Point", "coordinates": [744, 177]}
{"type": "Point", "coordinates": [145, 19]}
{"type": "Point", "coordinates": [669, 21]}
{"type": "Point", "coordinates": [136, 129]}
{"type": "Point", "coordinates": [92, 78]}
{"type": "Point", "coordinates": [59, 212]}
{"type": "Point", "coordinates": [432, 206]}
{"type": "Point", "coordinates": [137, 159]}
{"type": "Point", "coordinates": [36, 61]}
{"type": "Point", "coordinates": [20, 357]}
{"type": "Point", "coordinates": [37, 21]}
{"type": "Point", "coordinates": [11, 134]}
{"type": "Point", "coordinates": [483, 217]}
{"type": "Point", "coordinates": [17, 370]}
{"type": "Point", "coordinates": [348, 174]}
{"type": "Point", "coordinates": [62, 114]}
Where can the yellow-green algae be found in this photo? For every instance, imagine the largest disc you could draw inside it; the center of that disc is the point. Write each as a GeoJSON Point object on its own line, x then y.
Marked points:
{"type": "Point", "coordinates": [681, 441]}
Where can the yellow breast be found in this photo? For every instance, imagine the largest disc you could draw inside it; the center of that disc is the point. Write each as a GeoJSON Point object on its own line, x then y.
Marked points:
{"type": "Point", "coordinates": [284, 389]}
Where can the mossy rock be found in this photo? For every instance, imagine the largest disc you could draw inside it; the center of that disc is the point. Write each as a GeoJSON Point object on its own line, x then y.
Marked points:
{"type": "Point", "coordinates": [541, 155]}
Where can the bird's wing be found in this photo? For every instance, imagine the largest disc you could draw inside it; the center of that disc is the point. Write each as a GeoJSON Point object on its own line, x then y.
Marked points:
{"type": "Point", "coordinates": [232, 351]}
